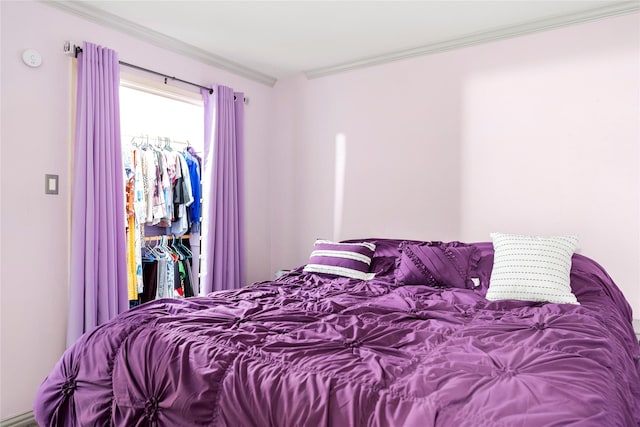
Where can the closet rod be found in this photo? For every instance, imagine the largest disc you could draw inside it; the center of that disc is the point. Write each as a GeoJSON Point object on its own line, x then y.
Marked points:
{"type": "Point", "coordinates": [78, 49]}
{"type": "Point", "coordinates": [158, 238]}
{"type": "Point", "coordinates": [155, 139]}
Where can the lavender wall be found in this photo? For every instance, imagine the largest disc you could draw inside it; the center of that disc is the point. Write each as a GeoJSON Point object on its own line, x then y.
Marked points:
{"type": "Point", "coordinates": [558, 149]}
{"type": "Point", "coordinates": [537, 134]}
{"type": "Point", "coordinates": [35, 118]}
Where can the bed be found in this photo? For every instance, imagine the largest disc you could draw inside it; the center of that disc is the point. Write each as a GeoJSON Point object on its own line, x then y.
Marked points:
{"type": "Point", "coordinates": [316, 349]}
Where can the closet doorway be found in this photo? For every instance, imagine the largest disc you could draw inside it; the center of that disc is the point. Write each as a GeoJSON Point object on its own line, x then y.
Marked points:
{"type": "Point", "coordinates": [163, 255]}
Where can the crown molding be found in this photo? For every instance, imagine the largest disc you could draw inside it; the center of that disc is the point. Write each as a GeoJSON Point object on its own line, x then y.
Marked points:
{"type": "Point", "coordinates": [158, 39]}
{"type": "Point", "coordinates": [618, 8]}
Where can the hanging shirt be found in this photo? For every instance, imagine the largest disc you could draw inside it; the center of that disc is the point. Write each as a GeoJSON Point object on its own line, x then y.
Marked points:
{"type": "Point", "coordinates": [169, 169]}
{"type": "Point", "coordinates": [161, 290]}
{"type": "Point", "coordinates": [181, 196]}
{"type": "Point", "coordinates": [187, 181]}
{"type": "Point", "coordinates": [132, 283]}
{"type": "Point", "coordinates": [194, 175]}
{"type": "Point", "coordinates": [194, 154]}
{"type": "Point", "coordinates": [139, 209]}
{"type": "Point", "coordinates": [149, 165]}
{"type": "Point", "coordinates": [139, 199]}
{"type": "Point", "coordinates": [159, 206]}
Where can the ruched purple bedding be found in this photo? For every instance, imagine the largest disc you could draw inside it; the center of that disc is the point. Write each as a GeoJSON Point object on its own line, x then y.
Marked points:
{"type": "Point", "coordinates": [310, 350]}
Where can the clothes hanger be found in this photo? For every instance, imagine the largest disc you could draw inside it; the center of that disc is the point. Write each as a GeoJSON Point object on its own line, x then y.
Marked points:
{"type": "Point", "coordinates": [181, 256]}
{"type": "Point", "coordinates": [187, 251]}
{"type": "Point", "coordinates": [151, 251]}
{"type": "Point", "coordinates": [172, 249]}
{"type": "Point", "coordinates": [167, 144]}
{"type": "Point", "coordinates": [157, 250]}
{"type": "Point", "coordinates": [163, 245]}
{"type": "Point", "coordinates": [147, 255]}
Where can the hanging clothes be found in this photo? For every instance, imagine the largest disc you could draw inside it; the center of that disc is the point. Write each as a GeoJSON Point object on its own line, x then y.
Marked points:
{"type": "Point", "coordinates": [166, 183]}
{"type": "Point", "coordinates": [163, 190]}
{"type": "Point", "coordinates": [150, 274]}
{"type": "Point", "coordinates": [139, 207]}
{"type": "Point", "coordinates": [184, 198]}
{"type": "Point", "coordinates": [132, 289]}
{"type": "Point", "coordinates": [195, 208]}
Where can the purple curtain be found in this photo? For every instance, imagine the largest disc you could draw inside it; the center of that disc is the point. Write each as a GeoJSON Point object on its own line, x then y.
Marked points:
{"type": "Point", "coordinates": [223, 196]}
{"type": "Point", "coordinates": [98, 279]}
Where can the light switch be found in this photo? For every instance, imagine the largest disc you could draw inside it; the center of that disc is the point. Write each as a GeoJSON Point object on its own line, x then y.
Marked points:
{"type": "Point", "coordinates": [51, 184]}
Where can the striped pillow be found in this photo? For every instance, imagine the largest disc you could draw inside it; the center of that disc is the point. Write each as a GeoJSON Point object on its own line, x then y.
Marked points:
{"type": "Point", "coordinates": [341, 259]}
{"type": "Point", "coordinates": [532, 268]}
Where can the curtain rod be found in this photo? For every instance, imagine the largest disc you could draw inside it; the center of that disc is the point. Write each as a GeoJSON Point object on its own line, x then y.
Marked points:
{"type": "Point", "coordinates": [78, 49]}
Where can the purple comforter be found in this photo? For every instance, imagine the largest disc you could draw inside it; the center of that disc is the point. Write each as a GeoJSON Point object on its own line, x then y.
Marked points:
{"type": "Point", "coordinates": [308, 350]}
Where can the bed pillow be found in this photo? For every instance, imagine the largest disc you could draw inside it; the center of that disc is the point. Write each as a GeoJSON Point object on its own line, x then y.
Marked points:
{"type": "Point", "coordinates": [341, 259]}
{"type": "Point", "coordinates": [532, 268]}
{"type": "Point", "coordinates": [384, 247]}
{"type": "Point", "coordinates": [437, 264]}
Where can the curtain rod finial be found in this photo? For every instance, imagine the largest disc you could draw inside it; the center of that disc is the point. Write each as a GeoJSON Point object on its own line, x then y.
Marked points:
{"type": "Point", "coordinates": [71, 49]}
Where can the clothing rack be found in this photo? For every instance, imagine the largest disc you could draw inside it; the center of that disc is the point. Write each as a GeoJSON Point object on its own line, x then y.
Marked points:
{"type": "Point", "coordinates": [175, 144]}
{"type": "Point", "coordinates": [158, 238]}
{"type": "Point", "coordinates": [154, 140]}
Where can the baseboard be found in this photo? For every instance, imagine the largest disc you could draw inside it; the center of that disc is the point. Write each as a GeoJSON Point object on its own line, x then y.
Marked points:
{"type": "Point", "coordinates": [24, 420]}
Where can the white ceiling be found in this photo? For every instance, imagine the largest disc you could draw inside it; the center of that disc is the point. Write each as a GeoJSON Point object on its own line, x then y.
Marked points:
{"type": "Point", "coordinates": [268, 40]}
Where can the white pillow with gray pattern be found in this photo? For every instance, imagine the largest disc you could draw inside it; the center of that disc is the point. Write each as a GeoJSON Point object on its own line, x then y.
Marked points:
{"type": "Point", "coordinates": [532, 268]}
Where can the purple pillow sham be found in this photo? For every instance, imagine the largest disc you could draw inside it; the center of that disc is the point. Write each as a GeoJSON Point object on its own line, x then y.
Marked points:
{"type": "Point", "coordinates": [450, 264]}
{"type": "Point", "coordinates": [341, 259]}
{"type": "Point", "coordinates": [384, 247]}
